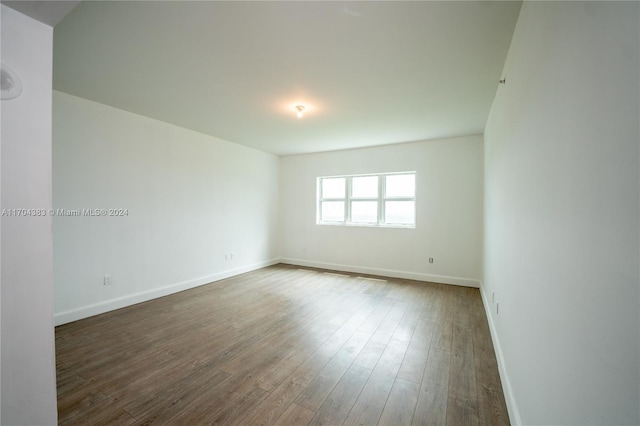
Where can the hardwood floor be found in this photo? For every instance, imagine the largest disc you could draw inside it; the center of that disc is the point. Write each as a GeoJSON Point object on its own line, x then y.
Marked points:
{"type": "Point", "coordinates": [285, 346]}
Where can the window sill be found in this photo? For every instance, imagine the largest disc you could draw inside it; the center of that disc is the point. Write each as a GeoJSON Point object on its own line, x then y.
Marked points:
{"type": "Point", "coordinates": [365, 225]}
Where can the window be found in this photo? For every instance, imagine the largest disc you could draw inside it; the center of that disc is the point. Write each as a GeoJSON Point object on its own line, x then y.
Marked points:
{"type": "Point", "coordinates": [387, 199]}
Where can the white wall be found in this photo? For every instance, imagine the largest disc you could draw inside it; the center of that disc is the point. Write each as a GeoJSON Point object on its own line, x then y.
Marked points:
{"type": "Point", "coordinates": [448, 221]}
{"type": "Point", "coordinates": [561, 215]}
{"type": "Point", "coordinates": [191, 199]}
{"type": "Point", "coordinates": [28, 357]}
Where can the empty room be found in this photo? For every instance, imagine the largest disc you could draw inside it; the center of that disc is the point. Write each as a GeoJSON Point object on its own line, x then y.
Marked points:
{"type": "Point", "coordinates": [320, 213]}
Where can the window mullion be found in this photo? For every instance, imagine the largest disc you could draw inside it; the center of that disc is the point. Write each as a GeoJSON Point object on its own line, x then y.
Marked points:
{"type": "Point", "coordinates": [319, 204]}
{"type": "Point", "coordinates": [382, 180]}
{"type": "Point", "coordinates": [347, 200]}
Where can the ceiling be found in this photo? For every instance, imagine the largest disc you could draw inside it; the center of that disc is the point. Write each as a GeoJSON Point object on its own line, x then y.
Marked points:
{"type": "Point", "coordinates": [48, 12]}
{"type": "Point", "coordinates": [368, 73]}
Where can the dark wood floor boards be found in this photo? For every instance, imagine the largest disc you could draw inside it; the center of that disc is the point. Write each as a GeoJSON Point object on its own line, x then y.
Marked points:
{"type": "Point", "coordinates": [491, 403]}
{"type": "Point", "coordinates": [462, 405]}
{"type": "Point", "coordinates": [285, 346]}
{"type": "Point", "coordinates": [295, 415]}
{"type": "Point", "coordinates": [321, 386]}
{"type": "Point", "coordinates": [370, 403]}
{"type": "Point", "coordinates": [431, 408]}
{"type": "Point", "coordinates": [401, 404]}
{"type": "Point", "coordinates": [285, 394]}
{"type": "Point", "coordinates": [336, 407]}
{"type": "Point", "coordinates": [415, 358]}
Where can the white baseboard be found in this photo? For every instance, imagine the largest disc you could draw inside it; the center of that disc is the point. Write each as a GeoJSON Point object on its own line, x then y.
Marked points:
{"type": "Point", "coordinates": [131, 299]}
{"type": "Point", "coordinates": [442, 279]}
{"type": "Point", "coordinates": [512, 406]}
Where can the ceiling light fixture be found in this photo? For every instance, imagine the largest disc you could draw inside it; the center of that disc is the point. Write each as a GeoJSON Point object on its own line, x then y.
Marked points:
{"type": "Point", "coordinates": [9, 83]}
{"type": "Point", "coordinates": [300, 109]}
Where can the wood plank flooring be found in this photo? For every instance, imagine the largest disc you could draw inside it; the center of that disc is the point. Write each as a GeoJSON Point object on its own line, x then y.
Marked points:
{"type": "Point", "coordinates": [285, 346]}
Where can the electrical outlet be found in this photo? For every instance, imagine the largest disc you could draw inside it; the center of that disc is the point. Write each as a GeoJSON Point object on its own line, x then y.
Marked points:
{"type": "Point", "coordinates": [498, 308]}
{"type": "Point", "coordinates": [107, 280]}
{"type": "Point", "coordinates": [230, 256]}
{"type": "Point", "coordinates": [431, 260]}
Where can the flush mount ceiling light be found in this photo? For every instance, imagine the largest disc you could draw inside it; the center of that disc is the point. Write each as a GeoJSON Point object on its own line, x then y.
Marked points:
{"type": "Point", "coordinates": [9, 83]}
{"type": "Point", "coordinates": [300, 109]}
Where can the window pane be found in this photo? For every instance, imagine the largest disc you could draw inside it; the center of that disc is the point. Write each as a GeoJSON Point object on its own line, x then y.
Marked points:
{"type": "Point", "coordinates": [364, 211]}
{"type": "Point", "coordinates": [401, 185]}
{"type": "Point", "coordinates": [400, 212]}
{"type": "Point", "coordinates": [332, 211]}
{"type": "Point", "coordinates": [333, 188]}
{"type": "Point", "coordinates": [364, 187]}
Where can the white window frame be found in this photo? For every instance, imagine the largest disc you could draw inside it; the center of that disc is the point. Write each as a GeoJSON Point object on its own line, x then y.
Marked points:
{"type": "Point", "coordinates": [380, 199]}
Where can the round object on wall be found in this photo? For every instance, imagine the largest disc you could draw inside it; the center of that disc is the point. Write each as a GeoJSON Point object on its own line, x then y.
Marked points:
{"type": "Point", "coordinates": [10, 83]}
